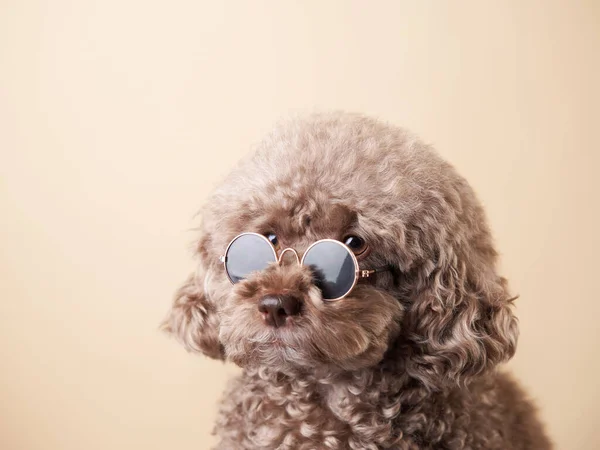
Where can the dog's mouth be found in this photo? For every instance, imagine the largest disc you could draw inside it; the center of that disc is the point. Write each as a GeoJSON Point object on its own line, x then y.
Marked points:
{"type": "Point", "coordinates": [349, 334]}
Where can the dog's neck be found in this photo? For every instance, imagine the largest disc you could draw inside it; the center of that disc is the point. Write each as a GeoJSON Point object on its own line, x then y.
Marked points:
{"type": "Point", "coordinates": [384, 380]}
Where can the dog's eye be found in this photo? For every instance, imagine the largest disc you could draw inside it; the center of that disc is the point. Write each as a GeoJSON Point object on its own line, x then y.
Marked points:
{"type": "Point", "coordinates": [356, 244]}
{"type": "Point", "coordinates": [272, 237]}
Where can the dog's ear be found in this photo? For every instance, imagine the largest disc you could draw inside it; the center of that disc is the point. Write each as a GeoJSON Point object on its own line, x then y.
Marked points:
{"type": "Point", "coordinates": [193, 320]}
{"type": "Point", "coordinates": [460, 322]}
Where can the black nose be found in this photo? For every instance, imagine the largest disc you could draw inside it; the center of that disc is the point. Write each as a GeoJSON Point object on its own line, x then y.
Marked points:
{"type": "Point", "coordinates": [276, 309]}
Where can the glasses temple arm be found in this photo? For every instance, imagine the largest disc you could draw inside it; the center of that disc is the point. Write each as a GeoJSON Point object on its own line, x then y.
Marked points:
{"type": "Point", "coordinates": [366, 273]}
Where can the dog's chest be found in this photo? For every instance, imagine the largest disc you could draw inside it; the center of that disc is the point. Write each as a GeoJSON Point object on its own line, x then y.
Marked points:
{"type": "Point", "coordinates": [305, 415]}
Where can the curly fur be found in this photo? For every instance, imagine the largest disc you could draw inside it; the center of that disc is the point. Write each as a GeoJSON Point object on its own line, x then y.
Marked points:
{"type": "Point", "coordinates": [406, 362]}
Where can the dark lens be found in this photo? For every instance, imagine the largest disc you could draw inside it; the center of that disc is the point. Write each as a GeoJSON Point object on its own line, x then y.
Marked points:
{"type": "Point", "coordinates": [333, 267]}
{"type": "Point", "coordinates": [248, 253]}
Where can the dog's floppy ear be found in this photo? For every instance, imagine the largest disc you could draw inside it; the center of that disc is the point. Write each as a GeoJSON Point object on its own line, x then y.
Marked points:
{"type": "Point", "coordinates": [460, 321]}
{"type": "Point", "coordinates": [192, 319]}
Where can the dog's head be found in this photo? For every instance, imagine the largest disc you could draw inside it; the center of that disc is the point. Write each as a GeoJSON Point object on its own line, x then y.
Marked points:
{"type": "Point", "coordinates": [439, 313]}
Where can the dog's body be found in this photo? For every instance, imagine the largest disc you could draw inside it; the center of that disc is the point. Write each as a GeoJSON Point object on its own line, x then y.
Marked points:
{"type": "Point", "coordinates": [408, 361]}
{"type": "Point", "coordinates": [267, 410]}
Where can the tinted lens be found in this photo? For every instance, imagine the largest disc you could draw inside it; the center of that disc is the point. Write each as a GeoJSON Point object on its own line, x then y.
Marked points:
{"type": "Point", "coordinates": [248, 253]}
{"type": "Point", "coordinates": [333, 267]}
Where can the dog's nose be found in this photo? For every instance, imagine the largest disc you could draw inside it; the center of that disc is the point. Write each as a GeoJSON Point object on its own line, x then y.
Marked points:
{"type": "Point", "coordinates": [277, 308]}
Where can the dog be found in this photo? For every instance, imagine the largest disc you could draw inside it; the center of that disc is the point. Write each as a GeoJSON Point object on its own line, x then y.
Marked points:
{"type": "Point", "coordinates": [403, 353]}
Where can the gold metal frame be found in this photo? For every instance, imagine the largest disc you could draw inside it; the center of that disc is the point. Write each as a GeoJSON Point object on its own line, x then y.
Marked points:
{"type": "Point", "coordinates": [358, 272]}
{"type": "Point", "coordinates": [289, 249]}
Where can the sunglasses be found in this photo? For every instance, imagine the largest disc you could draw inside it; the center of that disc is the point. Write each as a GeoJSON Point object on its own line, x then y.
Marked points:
{"type": "Point", "coordinates": [333, 264]}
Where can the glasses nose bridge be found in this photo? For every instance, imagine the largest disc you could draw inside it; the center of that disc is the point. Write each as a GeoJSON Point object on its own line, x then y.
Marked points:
{"type": "Point", "coordinates": [286, 250]}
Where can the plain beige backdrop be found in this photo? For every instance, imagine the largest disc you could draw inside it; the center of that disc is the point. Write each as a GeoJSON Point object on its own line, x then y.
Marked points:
{"type": "Point", "coordinates": [117, 117]}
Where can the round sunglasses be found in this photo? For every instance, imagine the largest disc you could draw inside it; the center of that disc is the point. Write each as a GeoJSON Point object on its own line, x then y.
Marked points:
{"type": "Point", "coordinates": [335, 268]}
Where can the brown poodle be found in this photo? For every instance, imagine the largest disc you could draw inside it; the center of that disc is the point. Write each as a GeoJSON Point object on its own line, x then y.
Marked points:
{"type": "Point", "coordinates": [408, 357]}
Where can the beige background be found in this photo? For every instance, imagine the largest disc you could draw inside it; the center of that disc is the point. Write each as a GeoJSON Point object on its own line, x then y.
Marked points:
{"type": "Point", "coordinates": [117, 117]}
